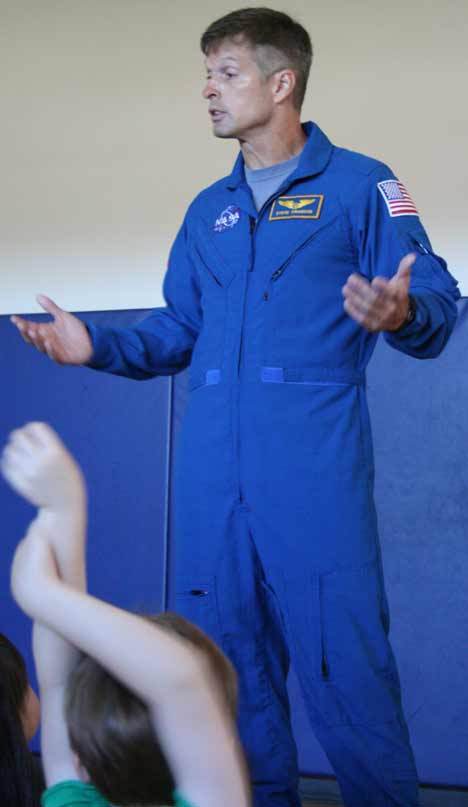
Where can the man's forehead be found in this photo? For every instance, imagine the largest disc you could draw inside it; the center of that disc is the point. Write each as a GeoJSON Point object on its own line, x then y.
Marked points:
{"type": "Point", "coordinates": [228, 51]}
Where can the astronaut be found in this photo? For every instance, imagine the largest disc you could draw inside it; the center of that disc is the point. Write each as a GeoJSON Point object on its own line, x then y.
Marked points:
{"type": "Point", "coordinates": [279, 282]}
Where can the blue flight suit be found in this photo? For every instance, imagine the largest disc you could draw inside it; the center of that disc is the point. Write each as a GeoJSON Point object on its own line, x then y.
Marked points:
{"type": "Point", "coordinates": [277, 547]}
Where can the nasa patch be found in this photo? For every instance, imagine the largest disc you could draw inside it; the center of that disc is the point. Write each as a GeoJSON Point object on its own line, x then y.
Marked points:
{"type": "Point", "coordinates": [227, 219]}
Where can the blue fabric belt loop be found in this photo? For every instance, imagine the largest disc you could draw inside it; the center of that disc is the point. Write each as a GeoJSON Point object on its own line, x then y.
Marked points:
{"type": "Point", "coordinates": [213, 376]}
{"type": "Point", "coordinates": [311, 375]}
{"type": "Point", "coordinates": [273, 375]}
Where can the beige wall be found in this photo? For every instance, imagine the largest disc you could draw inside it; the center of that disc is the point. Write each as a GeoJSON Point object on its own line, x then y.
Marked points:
{"type": "Point", "coordinates": [105, 138]}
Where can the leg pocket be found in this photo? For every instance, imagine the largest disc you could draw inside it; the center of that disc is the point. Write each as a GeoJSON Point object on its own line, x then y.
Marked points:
{"type": "Point", "coordinates": [196, 600]}
{"type": "Point", "coordinates": [357, 659]}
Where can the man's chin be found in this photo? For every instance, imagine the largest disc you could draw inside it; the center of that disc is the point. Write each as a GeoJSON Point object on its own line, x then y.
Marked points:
{"type": "Point", "coordinates": [223, 132]}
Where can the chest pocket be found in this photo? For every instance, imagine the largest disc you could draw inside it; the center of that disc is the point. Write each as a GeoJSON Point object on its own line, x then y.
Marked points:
{"type": "Point", "coordinates": [215, 258]}
{"type": "Point", "coordinates": [215, 275]}
{"type": "Point", "coordinates": [303, 310]}
{"type": "Point", "coordinates": [319, 239]}
{"type": "Point", "coordinates": [211, 268]}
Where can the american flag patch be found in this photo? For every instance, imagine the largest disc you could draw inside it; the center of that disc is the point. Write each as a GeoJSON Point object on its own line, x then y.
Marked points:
{"type": "Point", "coordinates": [397, 198]}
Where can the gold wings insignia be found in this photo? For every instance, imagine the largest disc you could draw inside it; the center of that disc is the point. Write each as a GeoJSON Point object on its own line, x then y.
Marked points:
{"type": "Point", "coordinates": [292, 205]}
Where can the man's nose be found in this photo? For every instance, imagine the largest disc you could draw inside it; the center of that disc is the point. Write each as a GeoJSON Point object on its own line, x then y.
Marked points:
{"type": "Point", "coordinates": [210, 89]}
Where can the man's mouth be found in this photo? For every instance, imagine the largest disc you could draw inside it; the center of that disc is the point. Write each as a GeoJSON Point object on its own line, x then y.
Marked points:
{"type": "Point", "coordinates": [216, 114]}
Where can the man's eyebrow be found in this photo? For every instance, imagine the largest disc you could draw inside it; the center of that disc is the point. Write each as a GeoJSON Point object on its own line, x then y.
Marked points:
{"type": "Point", "coordinates": [223, 61]}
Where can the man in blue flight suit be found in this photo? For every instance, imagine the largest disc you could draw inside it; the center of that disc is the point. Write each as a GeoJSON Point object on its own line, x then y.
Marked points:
{"type": "Point", "coordinates": [277, 548]}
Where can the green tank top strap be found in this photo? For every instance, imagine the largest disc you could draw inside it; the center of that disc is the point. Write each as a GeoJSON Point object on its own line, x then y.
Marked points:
{"type": "Point", "coordinates": [180, 801]}
{"type": "Point", "coordinates": [73, 793]}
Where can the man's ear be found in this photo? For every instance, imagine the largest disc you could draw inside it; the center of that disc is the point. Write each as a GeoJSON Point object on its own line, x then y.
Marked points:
{"type": "Point", "coordinates": [284, 84]}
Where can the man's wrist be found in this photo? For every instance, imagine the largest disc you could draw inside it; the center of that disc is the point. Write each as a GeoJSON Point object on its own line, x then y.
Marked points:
{"type": "Point", "coordinates": [410, 315]}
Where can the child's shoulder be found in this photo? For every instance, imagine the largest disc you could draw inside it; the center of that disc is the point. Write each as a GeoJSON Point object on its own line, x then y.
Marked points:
{"type": "Point", "coordinates": [179, 801]}
{"type": "Point", "coordinates": [73, 793]}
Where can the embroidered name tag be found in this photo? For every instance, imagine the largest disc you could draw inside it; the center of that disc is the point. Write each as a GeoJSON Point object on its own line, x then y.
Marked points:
{"type": "Point", "coordinates": [308, 206]}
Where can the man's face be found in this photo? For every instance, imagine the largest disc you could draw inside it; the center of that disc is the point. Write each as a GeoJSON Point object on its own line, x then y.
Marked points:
{"type": "Point", "coordinates": [239, 96]}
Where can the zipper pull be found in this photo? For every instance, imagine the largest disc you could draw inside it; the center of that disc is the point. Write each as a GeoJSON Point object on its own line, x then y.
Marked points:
{"type": "Point", "coordinates": [278, 273]}
{"type": "Point", "coordinates": [252, 223]}
{"type": "Point", "coordinates": [422, 248]}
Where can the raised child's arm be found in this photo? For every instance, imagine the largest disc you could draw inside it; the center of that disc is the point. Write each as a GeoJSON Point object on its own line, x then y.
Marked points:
{"type": "Point", "coordinates": [38, 466]}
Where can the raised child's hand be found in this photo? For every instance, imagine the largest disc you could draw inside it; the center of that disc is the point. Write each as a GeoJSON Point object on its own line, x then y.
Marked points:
{"type": "Point", "coordinates": [38, 466]}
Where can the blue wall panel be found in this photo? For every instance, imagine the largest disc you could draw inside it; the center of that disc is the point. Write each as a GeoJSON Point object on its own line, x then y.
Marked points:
{"type": "Point", "coordinates": [118, 430]}
{"type": "Point", "coordinates": [420, 417]}
{"type": "Point", "coordinates": [420, 425]}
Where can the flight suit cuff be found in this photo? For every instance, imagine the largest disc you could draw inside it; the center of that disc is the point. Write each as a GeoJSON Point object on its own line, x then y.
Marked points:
{"type": "Point", "coordinates": [409, 329]}
{"type": "Point", "coordinates": [102, 354]}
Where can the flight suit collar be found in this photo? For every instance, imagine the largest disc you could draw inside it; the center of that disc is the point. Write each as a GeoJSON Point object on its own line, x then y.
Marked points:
{"type": "Point", "coordinates": [233, 245]}
{"type": "Point", "coordinates": [314, 157]}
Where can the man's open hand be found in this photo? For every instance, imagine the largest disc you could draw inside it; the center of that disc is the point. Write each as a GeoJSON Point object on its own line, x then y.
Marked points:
{"type": "Point", "coordinates": [381, 305]}
{"type": "Point", "coordinates": [65, 339]}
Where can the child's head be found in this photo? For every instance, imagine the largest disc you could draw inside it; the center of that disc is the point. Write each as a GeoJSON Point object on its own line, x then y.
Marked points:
{"type": "Point", "coordinates": [222, 669]}
{"type": "Point", "coordinates": [15, 690]}
{"type": "Point", "coordinates": [111, 730]}
{"type": "Point", "coordinates": [19, 719]}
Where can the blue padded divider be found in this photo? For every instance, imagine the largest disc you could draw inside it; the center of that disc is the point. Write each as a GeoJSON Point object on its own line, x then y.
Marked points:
{"type": "Point", "coordinates": [118, 430]}
{"type": "Point", "coordinates": [420, 426]}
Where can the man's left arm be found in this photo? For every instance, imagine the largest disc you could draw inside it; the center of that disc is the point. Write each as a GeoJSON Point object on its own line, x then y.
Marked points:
{"type": "Point", "coordinates": [403, 289]}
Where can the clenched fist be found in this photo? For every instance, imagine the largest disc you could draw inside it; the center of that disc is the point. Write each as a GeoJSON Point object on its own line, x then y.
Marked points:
{"type": "Point", "coordinates": [38, 466]}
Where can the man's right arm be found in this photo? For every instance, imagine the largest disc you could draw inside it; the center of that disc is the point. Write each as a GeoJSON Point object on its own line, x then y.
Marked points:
{"type": "Point", "coordinates": [160, 345]}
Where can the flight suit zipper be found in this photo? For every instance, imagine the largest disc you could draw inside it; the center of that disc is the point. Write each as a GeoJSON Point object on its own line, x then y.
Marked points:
{"type": "Point", "coordinates": [252, 229]}
{"type": "Point", "coordinates": [253, 224]}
